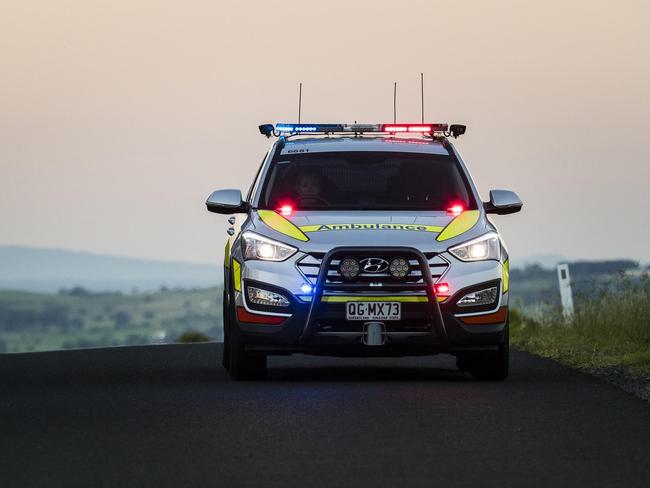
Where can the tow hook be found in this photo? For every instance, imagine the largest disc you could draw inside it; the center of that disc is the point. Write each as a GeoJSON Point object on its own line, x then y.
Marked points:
{"type": "Point", "coordinates": [374, 333]}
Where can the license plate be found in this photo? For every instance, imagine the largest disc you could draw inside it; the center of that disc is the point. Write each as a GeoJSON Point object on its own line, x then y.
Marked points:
{"type": "Point", "coordinates": [373, 311]}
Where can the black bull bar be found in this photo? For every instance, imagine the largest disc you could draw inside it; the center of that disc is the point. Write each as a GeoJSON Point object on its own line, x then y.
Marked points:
{"type": "Point", "coordinates": [438, 334]}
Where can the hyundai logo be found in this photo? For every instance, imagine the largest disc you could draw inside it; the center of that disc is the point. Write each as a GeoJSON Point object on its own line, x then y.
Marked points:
{"type": "Point", "coordinates": [373, 265]}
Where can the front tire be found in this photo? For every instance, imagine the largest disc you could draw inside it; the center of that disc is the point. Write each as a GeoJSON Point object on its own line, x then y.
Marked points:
{"type": "Point", "coordinates": [244, 365]}
{"type": "Point", "coordinates": [240, 364]}
{"type": "Point", "coordinates": [225, 355]}
{"type": "Point", "coordinates": [493, 366]}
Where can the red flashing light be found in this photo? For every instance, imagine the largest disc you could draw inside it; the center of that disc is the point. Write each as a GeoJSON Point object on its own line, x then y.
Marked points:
{"type": "Point", "coordinates": [286, 210]}
{"type": "Point", "coordinates": [442, 289]}
{"type": "Point", "coordinates": [395, 128]}
{"type": "Point", "coordinates": [455, 210]}
{"type": "Point", "coordinates": [244, 315]}
{"type": "Point", "coordinates": [420, 128]}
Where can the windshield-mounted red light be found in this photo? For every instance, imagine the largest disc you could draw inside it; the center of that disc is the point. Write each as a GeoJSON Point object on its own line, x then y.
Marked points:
{"type": "Point", "coordinates": [285, 210]}
{"type": "Point", "coordinates": [455, 210]}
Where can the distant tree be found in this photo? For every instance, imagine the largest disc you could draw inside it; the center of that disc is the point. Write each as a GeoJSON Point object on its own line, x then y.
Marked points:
{"type": "Point", "coordinates": [122, 319]}
{"type": "Point", "coordinates": [192, 336]}
{"type": "Point", "coordinates": [76, 323]}
{"type": "Point", "coordinates": [78, 291]}
{"type": "Point", "coordinates": [590, 268]}
{"type": "Point", "coordinates": [55, 314]}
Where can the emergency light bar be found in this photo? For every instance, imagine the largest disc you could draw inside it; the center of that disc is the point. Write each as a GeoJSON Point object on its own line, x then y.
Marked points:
{"type": "Point", "coordinates": [278, 130]}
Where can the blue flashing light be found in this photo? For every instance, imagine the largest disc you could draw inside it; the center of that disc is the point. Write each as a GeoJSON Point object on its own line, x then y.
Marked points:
{"type": "Point", "coordinates": [297, 128]}
{"type": "Point", "coordinates": [306, 288]}
{"type": "Point", "coordinates": [301, 128]}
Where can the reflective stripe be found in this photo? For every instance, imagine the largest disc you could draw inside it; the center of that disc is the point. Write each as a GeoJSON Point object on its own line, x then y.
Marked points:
{"type": "Point", "coordinates": [384, 226]}
{"type": "Point", "coordinates": [506, 275]}
{"type": "Point", "coordinates": [277, 222]}
{"type": "Point", "coordinates": [244, 315]}
{"type": "Point", "coordinates": [459, 225]}
{"type": "Point", "coordinates": [226, 255]}
{"type": "Point", "coordinates": [352, 298]}
{"type": "Point", "coordinates": [493, 318]}
{"type": "Point", "coordinates": [236, 275]}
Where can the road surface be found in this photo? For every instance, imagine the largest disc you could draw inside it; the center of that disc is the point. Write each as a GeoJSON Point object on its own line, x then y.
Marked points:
{"type": "Point", "coordinates": [168, 416]}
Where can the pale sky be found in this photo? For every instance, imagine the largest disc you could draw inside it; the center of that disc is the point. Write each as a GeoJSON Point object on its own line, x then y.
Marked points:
{"type": "Point", "coordinates": [118, 118]}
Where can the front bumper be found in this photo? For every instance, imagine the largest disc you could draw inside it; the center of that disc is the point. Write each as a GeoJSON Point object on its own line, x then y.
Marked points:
{"type": "Point", "coordinates": [426, 327]}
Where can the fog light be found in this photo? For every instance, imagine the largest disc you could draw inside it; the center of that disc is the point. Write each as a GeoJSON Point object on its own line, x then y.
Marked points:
{"type": "Point", "coordinates": [266, 297]}
{"type": "Point", "coordinates": [349, 268]}
{"type": "Point", "coordinates": [306, 289]}
{"type": "Point", "coordinates": [399, 267]}
{"type": "Point", "coordinates": [481, 297]}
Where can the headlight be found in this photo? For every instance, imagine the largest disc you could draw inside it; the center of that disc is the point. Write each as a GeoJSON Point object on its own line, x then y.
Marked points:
{"type": "Point", "coordinates": [256, 246]}
{"type": "Point", "coordinates": [479, 249]}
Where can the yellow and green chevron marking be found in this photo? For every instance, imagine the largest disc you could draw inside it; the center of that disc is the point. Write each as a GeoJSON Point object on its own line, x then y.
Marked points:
{"type": "Point", "coordinates": [277, 222]}
{"type": "Point", "coordinates": [459, 225]}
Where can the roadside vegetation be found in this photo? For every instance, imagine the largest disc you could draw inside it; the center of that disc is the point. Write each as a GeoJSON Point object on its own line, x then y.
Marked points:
{"type": "Point", "coordinates": [609, 329]}
{"type": "Point", "coordinates": [78, 318]}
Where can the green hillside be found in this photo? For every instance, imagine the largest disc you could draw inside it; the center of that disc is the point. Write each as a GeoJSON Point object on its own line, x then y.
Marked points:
{"type": "Point", "coordinates": [78, 318]}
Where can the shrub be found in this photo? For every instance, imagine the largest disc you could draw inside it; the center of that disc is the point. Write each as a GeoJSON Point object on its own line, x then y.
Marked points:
{"type": "Point", "coordinates": [192, 336]}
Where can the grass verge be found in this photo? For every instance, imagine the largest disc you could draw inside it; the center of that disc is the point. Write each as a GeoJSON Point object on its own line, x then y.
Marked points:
{"type": "Point", "coordinates": [610, 330]}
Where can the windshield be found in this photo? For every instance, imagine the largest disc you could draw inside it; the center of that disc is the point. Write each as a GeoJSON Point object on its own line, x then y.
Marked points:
{"type": "Point", "coordinates": [366, 181]}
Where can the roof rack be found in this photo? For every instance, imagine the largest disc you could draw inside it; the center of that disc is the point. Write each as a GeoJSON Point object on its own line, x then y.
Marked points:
{"type": "Point", "coordinates": [282, 129]}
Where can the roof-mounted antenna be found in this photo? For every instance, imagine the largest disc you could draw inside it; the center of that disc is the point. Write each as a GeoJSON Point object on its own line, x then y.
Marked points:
{"type": "Point", "coordinates": [422, 94]}
{"type": "Point", "coordinates": [299, 101]}
{"type": "Point", "coordinates": [395, 103]}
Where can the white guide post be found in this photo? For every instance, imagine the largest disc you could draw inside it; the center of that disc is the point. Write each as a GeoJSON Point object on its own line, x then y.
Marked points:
{"type": "Point", "coordinates": [565, 290]}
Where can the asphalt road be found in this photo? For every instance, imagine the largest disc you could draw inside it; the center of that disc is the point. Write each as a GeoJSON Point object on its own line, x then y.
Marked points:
{"type": "Point", "coordinates": [168, 416]}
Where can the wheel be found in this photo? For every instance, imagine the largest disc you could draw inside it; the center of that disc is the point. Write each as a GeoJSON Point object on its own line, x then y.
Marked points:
{"type": "Point", "coordinates": [225, 355]}
{"type": "Point", "coordinates": [463, 363]}
{"type": "Point", "coordinates": [493, 366]}
{"type": "Point", "coordinates": [244, 365]}
{"type": "Point", "coordinates": [241, 365]}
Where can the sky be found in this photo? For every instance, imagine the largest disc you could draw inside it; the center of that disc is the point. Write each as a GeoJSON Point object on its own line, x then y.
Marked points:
{"type": "Point", "coordinates": [118, 118]}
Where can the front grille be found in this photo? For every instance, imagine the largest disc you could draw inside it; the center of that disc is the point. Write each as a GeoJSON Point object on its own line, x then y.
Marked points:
{"type": "Point", "coordinates": [420, 310]}
{"type": "Point", "coordinates": [310, 266]}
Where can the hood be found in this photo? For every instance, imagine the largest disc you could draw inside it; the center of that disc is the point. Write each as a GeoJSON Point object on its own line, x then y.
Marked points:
{"type": "Point", "coordinates": [321, 231]}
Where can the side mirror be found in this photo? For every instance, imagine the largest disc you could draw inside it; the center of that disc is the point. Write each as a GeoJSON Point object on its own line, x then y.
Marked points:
{"type": "Point", "coordinates": [502, 202]}
{"type": "Point", "coordinates": [226, 202]}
